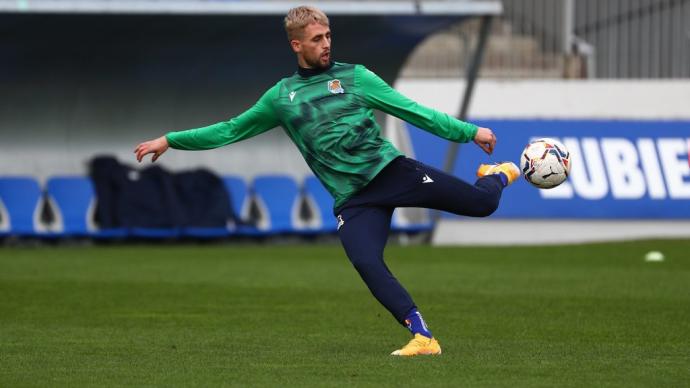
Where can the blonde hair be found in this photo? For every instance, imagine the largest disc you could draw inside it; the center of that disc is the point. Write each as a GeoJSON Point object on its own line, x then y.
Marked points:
{"type": "Point", "coordinates": [299, 17]}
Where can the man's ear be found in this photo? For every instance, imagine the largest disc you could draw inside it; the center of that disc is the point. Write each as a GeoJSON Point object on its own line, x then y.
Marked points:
{"type": "Point", "coordinates": [296, 45]}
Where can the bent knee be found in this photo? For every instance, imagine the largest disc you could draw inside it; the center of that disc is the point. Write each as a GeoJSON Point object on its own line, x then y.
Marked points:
{"type": "Point", "coordinates": [485, 207]}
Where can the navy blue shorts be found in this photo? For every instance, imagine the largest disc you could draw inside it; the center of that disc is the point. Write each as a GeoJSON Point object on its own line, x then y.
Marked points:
{"type": "Point", "coordinates": [364, 220]}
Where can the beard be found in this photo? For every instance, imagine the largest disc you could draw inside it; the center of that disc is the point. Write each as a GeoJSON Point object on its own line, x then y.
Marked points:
{"type": "Point", "coordinates": [317, 62]}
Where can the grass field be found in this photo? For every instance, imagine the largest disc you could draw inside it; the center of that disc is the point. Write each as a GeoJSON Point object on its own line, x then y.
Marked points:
{"type": "Point", "coordinates": [585, 315]}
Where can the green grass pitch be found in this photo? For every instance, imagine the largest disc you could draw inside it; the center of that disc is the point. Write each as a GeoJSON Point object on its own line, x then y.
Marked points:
{"type": "Point", "coordinates": [298, 315]}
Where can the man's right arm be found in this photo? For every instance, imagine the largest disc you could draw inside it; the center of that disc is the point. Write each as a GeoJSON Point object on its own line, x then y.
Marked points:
{"type": "Point", "coordinates": [258, 119]}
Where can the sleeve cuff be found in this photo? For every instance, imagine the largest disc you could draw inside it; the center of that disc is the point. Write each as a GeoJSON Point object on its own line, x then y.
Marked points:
{"type": "Point", "coordinates": [171, 142]}
{"type": "Point", "coordinates": [472, 133]}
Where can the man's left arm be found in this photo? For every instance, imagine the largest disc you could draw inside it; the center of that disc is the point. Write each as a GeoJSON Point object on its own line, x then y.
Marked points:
{"type": "Point", "coordinates": [379, 95]}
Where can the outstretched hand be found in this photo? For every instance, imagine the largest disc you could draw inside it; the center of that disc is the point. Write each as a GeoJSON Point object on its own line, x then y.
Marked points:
{"type": "Point", "coordinates": [156, 147]}
{"type": "Point", "coordinates": [485, 139]}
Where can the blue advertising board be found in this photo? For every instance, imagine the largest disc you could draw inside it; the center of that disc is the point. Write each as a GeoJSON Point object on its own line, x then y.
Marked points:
{"type": "Point", "coordinates": [620, 169]}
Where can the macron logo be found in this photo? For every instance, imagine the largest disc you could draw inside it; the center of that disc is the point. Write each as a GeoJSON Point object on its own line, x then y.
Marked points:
{"type": "Point", "coordinates": [426, 179]}
{"type": "Point", "coordinates": [292, 96]}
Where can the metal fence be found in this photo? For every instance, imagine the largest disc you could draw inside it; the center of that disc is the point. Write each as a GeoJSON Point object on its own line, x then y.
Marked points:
{"type": "Point", "coordinates": [636, 38]}
{"type": "Point", "coordinates": [569, 38]}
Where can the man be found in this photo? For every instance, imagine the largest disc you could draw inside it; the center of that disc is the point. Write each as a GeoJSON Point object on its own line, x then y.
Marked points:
{"type": "Point", "coordinates": [326, 109]}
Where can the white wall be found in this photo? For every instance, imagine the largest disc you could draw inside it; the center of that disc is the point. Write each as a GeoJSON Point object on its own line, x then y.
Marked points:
{"type": "Point", "coordinates": [596, 99]}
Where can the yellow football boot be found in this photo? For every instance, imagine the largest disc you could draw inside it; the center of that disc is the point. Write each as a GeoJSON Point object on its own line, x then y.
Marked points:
{"type": "Point", "coordinates": [511, 171]}
{"type": "Point", "coordinates": [419, 345]}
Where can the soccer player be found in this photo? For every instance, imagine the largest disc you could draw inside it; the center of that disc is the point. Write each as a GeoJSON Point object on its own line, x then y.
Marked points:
{"type": "Point", "coordinates": [326, 108]}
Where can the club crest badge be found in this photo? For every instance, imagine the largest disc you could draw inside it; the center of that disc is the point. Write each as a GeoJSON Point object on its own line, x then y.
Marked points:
{"type": "Point", "coordinates": [335, 87]}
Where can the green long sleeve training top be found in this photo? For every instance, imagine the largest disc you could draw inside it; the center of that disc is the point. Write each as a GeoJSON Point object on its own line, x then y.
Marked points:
{"type": "Point", "coordinates": [329, 116]}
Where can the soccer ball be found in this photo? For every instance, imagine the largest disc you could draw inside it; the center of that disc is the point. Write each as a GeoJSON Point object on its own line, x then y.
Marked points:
{"type": "Point", "coordinates": [545, 163]}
